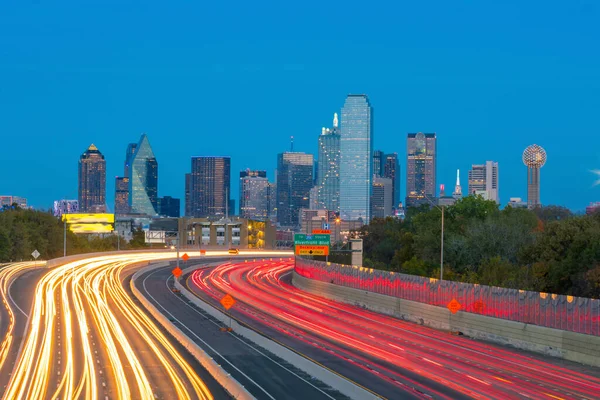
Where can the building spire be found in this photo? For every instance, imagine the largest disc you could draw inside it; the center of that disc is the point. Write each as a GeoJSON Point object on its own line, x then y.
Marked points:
{"type": "Point", "coordinates": [335, 120]}
{"type": "Point", "coordinates": [291, 144]}
{"type": "Point", "coordinates": [457, 189]}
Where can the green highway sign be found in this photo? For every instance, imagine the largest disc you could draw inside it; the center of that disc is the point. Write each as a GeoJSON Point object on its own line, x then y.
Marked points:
{"type": "Point", "coordinates": [302, 239]}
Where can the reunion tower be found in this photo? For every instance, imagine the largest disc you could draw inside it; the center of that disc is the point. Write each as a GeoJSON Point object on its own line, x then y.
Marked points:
{"type": "Point", "coordinates": [534, 157]}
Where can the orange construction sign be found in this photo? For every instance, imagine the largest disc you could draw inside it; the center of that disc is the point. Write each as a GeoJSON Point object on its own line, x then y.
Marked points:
{"type": "Point", "coordinates": [177, 272]}
{"type": "Point", "coordinates": [454, 306]}
{"type": "Point", "coordinates": [185, 257]}
{"type": "Point", "coordinates": [227, 301]}
{"type": "Point", "coordinates": [321, 231]}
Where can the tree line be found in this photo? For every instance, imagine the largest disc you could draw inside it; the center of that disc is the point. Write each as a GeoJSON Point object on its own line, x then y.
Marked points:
{"type": "Point", "coordinates": [23, 230]}
{"type": "Point", "coordinates": [547, 249]}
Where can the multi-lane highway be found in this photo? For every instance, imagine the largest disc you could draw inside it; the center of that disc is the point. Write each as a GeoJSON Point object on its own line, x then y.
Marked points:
{"type": "Point", "coordinates": [88, 338]}
{"type": "Point", "coordinates": [392, 357]}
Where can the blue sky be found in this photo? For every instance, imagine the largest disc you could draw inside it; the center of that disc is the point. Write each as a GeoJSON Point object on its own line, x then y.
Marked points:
{"type": "Point", "coordinates": [240, 78]}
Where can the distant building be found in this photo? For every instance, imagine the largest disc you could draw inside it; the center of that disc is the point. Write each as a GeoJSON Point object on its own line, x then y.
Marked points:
{"type": "Point", "coordinates": [592, 208]}
{"type": "Point", "coordinates": [313, 198]}
{"type": "Point", "coordinates": [143, 178]}
{"type": "Point", "coordinates": [356, 158]}
{"type": "Point", "coordinates": [444, 200]}
{"type": "Point", "coordinates": [188, 195]}
{"type": "Point", "coordinates": [381, 198]}
{"type": "Point", "coordinates": [254, 195]}
{"type": "Point", "coordinates": [378, 163]}
{"type": "Point", "coordinates": [64, 207]}
{"type": "Point", "coordinates": [328, 176]}
{"type": "Point", "coordinates": [169, 207]}
{"type": "Point", "coordinates": [391, 170]}
{"type": "Point", "coordinates": [294, 181]}
{"type": "Point", "coordinates": [534, 158]}
{"type": "Point", "coordinates": [420, 168]}
{"type": "Point", "coordinates": [92, 181]}
{"type": "Point", "coordinates": [241, 233]}
{"type": "Point", "coordinates": [517, 202]}
{"type": "Point", "coordinates": [457, 194]}
{"type": "Point", "coordinates": [121, 195]}
{"type": "Point", "coordinates": [483, 180]}
{"type": "Point", "coordinates": [8, 201]}
{"type": "Point", "coordinates": [209, 187]}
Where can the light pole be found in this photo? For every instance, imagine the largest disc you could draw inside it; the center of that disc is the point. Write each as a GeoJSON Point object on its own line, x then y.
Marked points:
{"type": "Point", "coordinates": [442, 238]}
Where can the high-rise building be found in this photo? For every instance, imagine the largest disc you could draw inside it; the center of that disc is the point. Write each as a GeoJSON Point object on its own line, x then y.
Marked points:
{"type": "Point", "coordinates": [457, 194]}
{"type": "Point", "coordinates": [378, 163]}
{"type": "Point", "coordinates": [209, 187]}
{"type": "Point", "coordinates": [254, 195]}
{"type": "Point", "coordinates": [381, 198]}
{"type": "Point", "coordinates": [534, 157]}
{"type": "Point", "coordinates": [92, 181]}
{"type": "Point", "coordinates": [143, 179]}
{"type": "Point", "coordinates": [129, 158]}
{"type": "Point", "coordinates": [294, 181]}
{"type": "Point", "coordinates": [121, 195]}
{"type": "Point", "coordinates": [188, 195]}
{"type": "Point", "coordinates": [328, 177]}
{"type": "Point", "coordinates": [391, 170]}
{"type": "Point", "coordinates": [483, 180]}
{"type": "Point", "coordinates": [272, 201]}
{"type": "Point", "coordinates": [420, 168]}
{"type": "Point", "coordinates": [356, 159]}
{"type": "Point", "coordinates": [169, 207]}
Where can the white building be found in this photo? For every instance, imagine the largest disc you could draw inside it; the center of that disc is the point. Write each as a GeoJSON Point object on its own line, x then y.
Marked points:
{"type": "Point", "coordinates": [484, 178]}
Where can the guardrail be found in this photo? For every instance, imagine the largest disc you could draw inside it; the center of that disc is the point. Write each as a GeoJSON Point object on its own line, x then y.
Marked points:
{"type": "Point", "coordinates": [568, 313]}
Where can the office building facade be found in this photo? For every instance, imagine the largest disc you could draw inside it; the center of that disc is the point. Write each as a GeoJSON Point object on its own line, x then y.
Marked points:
{"type": "Point", "coordinates": [143, 179]}
{"type": "Point", "coordinates": [92, 181]}
{"type": "Point", "coordinates": [381, 198]}
{"type": "Point", "coordinates": [391, 170]}
{"type": "Point", "coordinates": [483, 180]}
{"type": "Point", "coordinates": [328, 181]}
{"type": "Point", "coordinates": [209, 187]}
{"type": "Point", "coordinates": [378, 163]}
{"type": "Point", "coordinates": [254, 195]}
{"type": "Point", "coordinates": [420, 168]}
{"type": "Point", "coordinates": [169, 207]}
{"type": "Point", "coordinates": [294, 181]}
{"type": "Point", "coordinates": [121, 195]}
{"type": "Point", "coordinates": [356, 158]}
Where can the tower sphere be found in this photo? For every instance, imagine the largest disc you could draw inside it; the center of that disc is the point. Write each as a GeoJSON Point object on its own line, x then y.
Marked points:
{"type": "Point", "coordinates": [534, 156]}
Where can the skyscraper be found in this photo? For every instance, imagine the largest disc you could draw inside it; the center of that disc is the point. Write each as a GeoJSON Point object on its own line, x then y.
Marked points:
{"type": "Point", "coordinates": [129, 157]}
{"type": "Point", "coordinates": [356, 159]}
{"type": "Point", "coordinates": [483, 180]}
{"type": "Point", "coordinates": [294, 181]}
{"type": "Point", "coordinates": [420, 168]}
{"type": "Point", "coordinates": [382, 197]}
{"type": "Point", "coordinates": [457, 194]}
{"type": "Point", "coordinates": [143, 179]}
{"type": "Point", "coordinates": [391, 170]}
{"type": "Point", "coordinates": [328, 181]}
{"type": "Point", "coordinates": [209, 186]}
{"type": "Point", "coordinates": [378, 163]}
{"type": "Point", "coordinates": [121, 195]}
{"type": "Point", "coordinates": [534, 157]}
{"type": "Point", "coordinates": [92, 181]}
{"type": "Point", "coordinates": [254, 195]}
{"type": "Point", "coordinates": [169, 207]}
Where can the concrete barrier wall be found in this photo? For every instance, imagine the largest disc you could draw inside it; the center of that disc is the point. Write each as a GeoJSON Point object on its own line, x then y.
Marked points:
{"type": "Point", "coordinates": [230, 384]}
{"type": "Point", "coordinates": [329, 377]}
{"type": "Point", "coordinates": [571, 346]}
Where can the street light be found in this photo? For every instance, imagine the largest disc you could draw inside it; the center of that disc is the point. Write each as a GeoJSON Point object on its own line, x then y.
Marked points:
{"type": "Point", "coordinates": [442, 239]}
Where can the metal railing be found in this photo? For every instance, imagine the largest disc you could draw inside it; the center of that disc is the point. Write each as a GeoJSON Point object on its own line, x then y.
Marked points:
{"type": "Point", "coordinates": [575, 314]}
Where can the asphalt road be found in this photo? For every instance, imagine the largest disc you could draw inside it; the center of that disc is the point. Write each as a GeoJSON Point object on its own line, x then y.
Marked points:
{"type": "Point", "coordinates": [263, 374]}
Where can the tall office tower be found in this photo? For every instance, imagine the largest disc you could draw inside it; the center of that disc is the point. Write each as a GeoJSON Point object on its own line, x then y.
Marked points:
{"type": "Point", "coordinates": [272, 201]}
{"type": "Point", "coordinates": [188, 195]}
{"type": "Point", "coordinates": [457, 194]}
{"type": "Point", "coordinates": [534, 157]}
{"type": "Point", "coordinates": [391, 170]}
{"type": "Point", "coordinates": [92, 181]}
{"type": "Point", "coordinates": [254, 195]}
{"type": "Point", "coordinates": [356, 159]}
{"type": "Point", "coordinates": [381, 199]}
{"type": "Point", "coordinates": [210, 187]}
{"type": "Point", "coordinates": [121, 195]}
{"type": "Point", "coordinates": [131, 147]}
{"type": "Point", "coordinates": [328, 181]}
{"type": "Point", "coordinates": [421, 157]}
{"type": "Point", "coordinates": [483, 180]}
{"type": "Point", "coordinates": [143, 179]}
{"type": "Point", "coordinates": [294, 181]}
{"type": "Point", "coordinates": [378, 163]}
{"type": "Point", "coordinates": [169, 207]}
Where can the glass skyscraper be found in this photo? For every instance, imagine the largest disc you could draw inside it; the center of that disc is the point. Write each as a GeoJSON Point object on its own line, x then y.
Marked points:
{"type": "Point", "coordinates": [92, 181]}
{"type": "Point", "coordinates": [294, 181]}
{"type": "Point", "coordinates": [391, 169]}
{"type": "Point", "coordinates": [143, 179]}
{"type": "Point", "coordinates": [328, 181]}
{"type": "Point", "coordinates": [420, 168]}
{"type": "Point", "coordinates": [208, 186]}
{"type": "Point", "coordinates": [356, 155]}
{"type": "Point", "coordinates": [254, 195]}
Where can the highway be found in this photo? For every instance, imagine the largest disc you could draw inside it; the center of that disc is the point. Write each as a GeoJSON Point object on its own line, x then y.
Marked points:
{"type": "Point", "coordinates": [87, 338]}
{"type": "Point", "coordinates": [393, 358]}
{"type": "Point", "coordinates": [263, 374]}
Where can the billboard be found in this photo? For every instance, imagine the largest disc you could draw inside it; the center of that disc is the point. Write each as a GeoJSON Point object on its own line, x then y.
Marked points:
{"type": "Point", "coordinates": [65, 207]}
{"type": "Point", "coordinates": [90, 223]}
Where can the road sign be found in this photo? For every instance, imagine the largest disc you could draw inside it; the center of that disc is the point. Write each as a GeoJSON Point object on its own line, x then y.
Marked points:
{"type": "Point", "coordinates": [177, 272]}
{"type": "Point", "coordinates": [312, 240]}
{"type": "Point", "coordinates": [185, 257]}
{"type": "Point", "coordinates": [35, 254]}
{"type": "Point", "coordinates": [304, 250]}
{"type": "Point", "coordinates": [454, 306]}
{"type": "Point", "coordinates": [234, 251]}
{"type": "Point", "coordinates": [202, 252]}
{"type": "Point", "coordinates": [227, 301]}
{"type": "Point", "coordinates": [321, 231]}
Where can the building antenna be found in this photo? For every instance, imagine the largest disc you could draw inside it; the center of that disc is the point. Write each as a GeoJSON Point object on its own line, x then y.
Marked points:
{"type": "Point", "coordinates": [292, 144]}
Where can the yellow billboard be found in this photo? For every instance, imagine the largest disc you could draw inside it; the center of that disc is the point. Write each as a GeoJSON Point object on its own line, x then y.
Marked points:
{"type": "Point", "coordinates": [91, 228]}
{"type": "Point", "coordinates": [89, 218]}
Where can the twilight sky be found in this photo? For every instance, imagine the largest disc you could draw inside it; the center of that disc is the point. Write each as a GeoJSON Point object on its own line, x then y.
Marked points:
{"type": "Point", "coordinates": [239, 78]}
